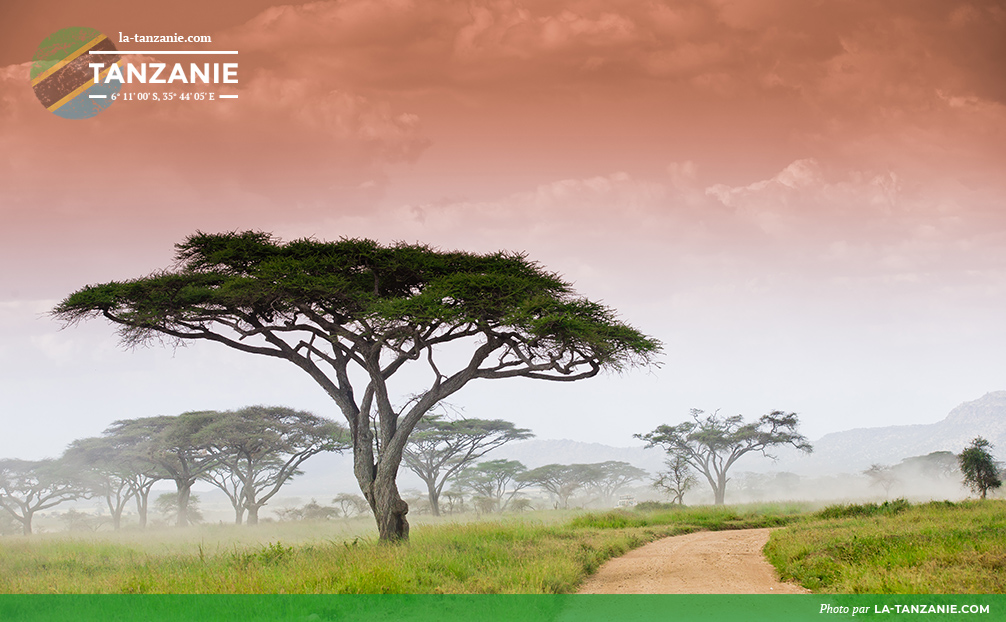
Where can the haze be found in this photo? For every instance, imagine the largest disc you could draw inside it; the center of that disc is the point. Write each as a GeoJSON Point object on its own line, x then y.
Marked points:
{"type": "Point", "coordinates": [803, 201]}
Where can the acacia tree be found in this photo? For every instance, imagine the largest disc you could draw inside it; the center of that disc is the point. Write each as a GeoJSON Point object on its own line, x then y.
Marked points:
{"type": "Point", "coordinates": [498, 480]}
{"type": "Point", "coordinates": [95, 463]}
{"type": "Point", "coordinates": [172, 446]}
{"type": "Point", "coordinates": [559, 480]}
{"type": "Point", "coordinates": [439, 448]}
{"type": "Point", "coordinates": [712, 444]}
{"type": "Point", "coordinates": [129, 454]}
{"type": "Point", "coordinates": [607, 478]}
{"type": "Point", "coordinates": [882, 475]}
{"type": "Point", "coordinates": [29, 486]}
{"type": "Point", "coordinates": [258, 449]}
{"type": "Point", "coordinates": [676, 480]}
{"type": "Point", "coordinates": [353, 313]}
{"type": "Point", "coordinates": [981, 473]}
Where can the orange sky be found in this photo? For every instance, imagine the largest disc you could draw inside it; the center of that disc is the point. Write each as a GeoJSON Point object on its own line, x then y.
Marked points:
{"type": "Point", "coordinates": [805, 200]}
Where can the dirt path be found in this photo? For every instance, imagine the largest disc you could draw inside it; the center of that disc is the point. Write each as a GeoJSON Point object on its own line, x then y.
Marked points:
{"type": "Point", "coordinates": [706, 562]}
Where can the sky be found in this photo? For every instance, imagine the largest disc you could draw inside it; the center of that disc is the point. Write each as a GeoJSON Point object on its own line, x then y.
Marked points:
{"type": "Point", "coordinates": [803, 200]}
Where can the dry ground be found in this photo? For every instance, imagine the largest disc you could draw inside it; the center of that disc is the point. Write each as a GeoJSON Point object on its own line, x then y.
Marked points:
{"type": "Point", "coordinates": [706, 562]}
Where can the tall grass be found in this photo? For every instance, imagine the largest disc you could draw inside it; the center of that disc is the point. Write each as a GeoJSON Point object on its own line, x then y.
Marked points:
{"type": "Point", "coordinates": [932, 548]}
{"type": "Point", "coordinates": [532, 554]}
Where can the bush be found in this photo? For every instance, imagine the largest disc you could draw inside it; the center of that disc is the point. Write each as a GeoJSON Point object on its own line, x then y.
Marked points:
{"type": "Point", "coordinates": [887, 508]}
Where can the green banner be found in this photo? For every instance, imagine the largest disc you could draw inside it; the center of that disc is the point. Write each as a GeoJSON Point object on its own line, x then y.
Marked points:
{"type": "Point", "coordinates": [502, 608]}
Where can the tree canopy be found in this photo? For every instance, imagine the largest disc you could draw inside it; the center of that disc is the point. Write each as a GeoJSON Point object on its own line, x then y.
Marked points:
{"type": "Point", "coordinates": [712, 444]}
{"type": "Point", "coordinates": [981, 473]}
{"type": "Point", "coordinates": [354, 308]}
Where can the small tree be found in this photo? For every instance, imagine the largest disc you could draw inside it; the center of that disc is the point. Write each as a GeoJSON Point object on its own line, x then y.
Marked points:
{"type": "Point", "coordinates": [607, 478]}
{"type": "Point", "coordinates": [981, 472]}
{"type": "Point", "coordinates": [167, 505]}
{"type": "Point", "coordinates": [676, 480]}
{"type": "Point", "coordinates": [712, 444]}
{"type": "Point", "coordinates": [559, 480]}
{"type": "Point", "coordinates": [498, 480]}
{"type": "Point", "coordinates": [439, 448]}
{"type": "Point", "coordinates": [882, 475]}
{"type": "Point", "coordinates": [350, 505]}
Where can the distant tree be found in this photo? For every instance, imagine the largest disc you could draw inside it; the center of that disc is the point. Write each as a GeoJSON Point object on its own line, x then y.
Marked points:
{"type": "Point", "coordinates": [350, 505]}
{"type": "Point", "coordinates": [712, 444]}
{"type": "Point", "coordinates": [167, 505]}
{"type": "Point", "coordinates": [317, 512]}
{"type": "Point", "coordinates": [78, 521]}
{"type": "Point", "coordinates": [935, 465]}
{"type": "Point", "coordinates": [676, 480]}
{"type": "Point", "coordinates": [882, 475]}
{"type": "Point", "coordinates": [128, 451]}
{"type": "Point", "coordinates": [256, 450]}
{"type": "Point", "coordinates": [352, 314]}
{"type": "Point", "coordinates": [101, 469]}
{"type": "Point", "coordinates": [559, 480]}
{"type": "Point", "coordinates": [173, 446]}
{"type": "Point", "coordinates": [312, 511]}
{"type": "Point", "coordinates": [439, 448]}
{"type": "Point", "coordinates": [29, 486]}
{"type": "Point", "coordinates": [498, 480]}
{"type": "Point", "coordinates": [980, 470]}
{"type": "Point", "coordinates": [607, 478]}
{"type": "Point", "coordinates": [454, 501]}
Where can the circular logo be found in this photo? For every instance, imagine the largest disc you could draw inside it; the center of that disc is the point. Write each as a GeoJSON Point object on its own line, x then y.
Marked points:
{"type": "Point", "coordinates": [64, 75]}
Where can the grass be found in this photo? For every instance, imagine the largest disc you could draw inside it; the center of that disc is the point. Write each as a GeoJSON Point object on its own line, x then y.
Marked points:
{"type": "Point", "coordinates": [891, 547]}
{"type": "Point", "coordinates": [534, 554]}
{"type": "Point", "coordinates": [897, 548]}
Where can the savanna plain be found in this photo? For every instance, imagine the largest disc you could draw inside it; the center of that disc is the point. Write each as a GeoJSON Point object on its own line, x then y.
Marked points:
{"type": "Point", "coordinates": [894, 547]}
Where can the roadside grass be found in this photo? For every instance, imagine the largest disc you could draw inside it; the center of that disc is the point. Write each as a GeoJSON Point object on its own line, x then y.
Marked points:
{"type": "Point", "coordinates": [546, 552]}
{"type": "Point", "coordinates": [896, 548]}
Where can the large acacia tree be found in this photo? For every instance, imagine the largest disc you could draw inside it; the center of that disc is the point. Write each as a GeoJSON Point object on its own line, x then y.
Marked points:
{"type": "Point", "coordinates": [354, 313]}
{"type": "Point", "coordinates": [712, 444]}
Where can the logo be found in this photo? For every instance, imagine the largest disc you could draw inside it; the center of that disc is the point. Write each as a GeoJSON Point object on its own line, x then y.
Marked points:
{"type": "Point", "coordinates": [68, 71]}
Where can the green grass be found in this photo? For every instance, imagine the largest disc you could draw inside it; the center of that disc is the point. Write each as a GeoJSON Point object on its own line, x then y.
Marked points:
{"type": "Point", "coordinates": [896, 548]}
{"type": "Point", "coordinates": [542, 553]}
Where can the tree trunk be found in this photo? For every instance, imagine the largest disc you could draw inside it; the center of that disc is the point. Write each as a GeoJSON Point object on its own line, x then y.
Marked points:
{"type": "Point", "coordinates": [26, 523]}
{"type": "Point", "coordinates": [720, 490]}
{"type": "Point", "coordinates": [390, 510]}
{"type": "Point", "coordinates": [434, 499]}
{"type": "Point", "coordinates": [184, 491]}
{"type": "Point", "coordinates": [239, 514]}
{"type": "Point", "coordinates": [141, 508]}
{"type": "Point", "coordinates": [253, 514]}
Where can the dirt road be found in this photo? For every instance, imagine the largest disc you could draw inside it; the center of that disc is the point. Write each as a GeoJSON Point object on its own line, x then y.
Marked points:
{"type": "Point", "coordinates": [707, 562]}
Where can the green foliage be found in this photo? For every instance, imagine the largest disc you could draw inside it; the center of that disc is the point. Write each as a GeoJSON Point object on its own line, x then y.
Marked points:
{"type": "Point", "coordinates": [887, 508]}
{"type": "Point", "coordinates": [981, 473]}
{"type": "Point", "coordinates": [254, 278]}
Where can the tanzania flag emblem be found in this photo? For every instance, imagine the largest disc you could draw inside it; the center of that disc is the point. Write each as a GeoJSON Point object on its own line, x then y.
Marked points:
{"type": "Point", "coordinates": [63, 79]}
